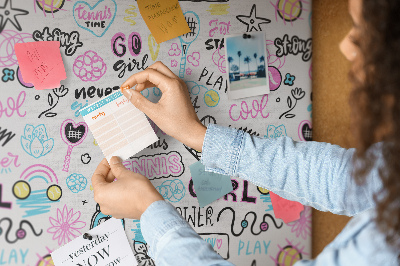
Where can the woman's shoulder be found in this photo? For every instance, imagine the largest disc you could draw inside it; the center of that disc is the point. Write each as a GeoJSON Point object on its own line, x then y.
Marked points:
{"type": "Point", "coordinates": [362, 241]}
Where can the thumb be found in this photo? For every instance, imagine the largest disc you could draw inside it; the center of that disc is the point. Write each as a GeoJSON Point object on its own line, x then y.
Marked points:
{"type": "Point", "coordinates": [117, 168]}
{"type": "Point", "coordinates": [139, 101]}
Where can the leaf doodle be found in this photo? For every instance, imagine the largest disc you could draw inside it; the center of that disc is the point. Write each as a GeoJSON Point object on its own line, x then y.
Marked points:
{"type": "Point", "coordinates": [50, 99]}
{"type": "Point", "coordinates": [289, 102]}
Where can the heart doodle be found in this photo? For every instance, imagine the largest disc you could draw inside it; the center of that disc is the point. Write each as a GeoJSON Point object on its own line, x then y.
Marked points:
{"type": "Point", "coordinates": [152, 44]}
{"type": "Point", "coordinates": [72, 134]}
{"type": "Point", "coordinates": [95, 19]}
{"type": "Point", "coordinates": [219, 243]}
{"type": "Point", "coordinates": [305, 130]}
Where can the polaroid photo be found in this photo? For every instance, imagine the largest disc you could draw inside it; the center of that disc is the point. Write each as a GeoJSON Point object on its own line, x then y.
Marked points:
{"type": "Point", "coordinates": [246, 56]}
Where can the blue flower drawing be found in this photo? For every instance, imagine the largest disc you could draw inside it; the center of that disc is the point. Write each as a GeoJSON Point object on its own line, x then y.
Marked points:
{"type": "Point", "coordinates": [8, 74]}
{"type": "Point", "coordinates": [275, 132]}
{"type": "Point", "coordinates": [35, 141]}
{"type": "Point", "coordinates": [289, 79]}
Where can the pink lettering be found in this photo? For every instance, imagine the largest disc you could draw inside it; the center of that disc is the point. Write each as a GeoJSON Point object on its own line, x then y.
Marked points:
{"type": "Point", "coordinates": [6, 161]}
{"type": "Point", "coordinates": [13, 106]}
{"type": "Point", "coordinates": [93, 15]}
{"type": "Point", "coordinates": [254, 111]}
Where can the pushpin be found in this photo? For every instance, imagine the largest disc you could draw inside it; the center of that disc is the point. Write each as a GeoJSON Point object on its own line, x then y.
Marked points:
{"type": "Point", "coordinates": [87, 236]}
{"type": "Point", "coordinates": [246, 36]}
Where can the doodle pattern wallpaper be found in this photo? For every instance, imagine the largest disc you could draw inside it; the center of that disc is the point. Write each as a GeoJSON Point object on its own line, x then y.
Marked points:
{"type": "Point", "coordinates": [48, 155]}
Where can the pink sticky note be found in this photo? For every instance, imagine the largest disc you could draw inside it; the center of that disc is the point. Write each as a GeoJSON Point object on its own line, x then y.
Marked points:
{"type": "Point", "coordinates": [41, 63]}
{"type": "Point", "coordinates": [284, 209]}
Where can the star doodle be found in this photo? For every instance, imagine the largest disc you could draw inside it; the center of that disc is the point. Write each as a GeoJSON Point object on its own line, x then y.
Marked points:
{"type": "Point", "coordinates": [6, 14]}
{"type": "Point", "coordinates": [84, 202]}
{"type": "Point", "coordinates": [252, 20]}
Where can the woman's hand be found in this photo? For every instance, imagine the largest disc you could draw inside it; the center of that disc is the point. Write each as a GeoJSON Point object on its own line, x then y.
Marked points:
{"type": "Point", "coordinates": [174, 113]}
{"type": "Point", "coordinates": [128, 197]}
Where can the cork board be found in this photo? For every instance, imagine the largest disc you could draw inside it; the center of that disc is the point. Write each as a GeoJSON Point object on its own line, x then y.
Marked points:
{"type": "Point", "coordinates": [331, 89]}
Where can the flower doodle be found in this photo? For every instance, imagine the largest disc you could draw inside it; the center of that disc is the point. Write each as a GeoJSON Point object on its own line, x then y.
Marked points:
{"type": "Point", "coordinates": [35, 141]}
{"type": "Point", "coordinates": [174, 51]}
{"type": "Point", "coordinates": [289, 79]}
{"type": "Point", "coordinates": [65, 226]}
{"type": "Point", "coordinates": [53, 101]}
{"type": "Point", "coordinates": [194, 59]}
{"type": "Point", "coordinates": [174, 63]}
{"type": "Point", "coordinates": [297, 94]}
{"type": "Point", "coordinates": [8, 74]}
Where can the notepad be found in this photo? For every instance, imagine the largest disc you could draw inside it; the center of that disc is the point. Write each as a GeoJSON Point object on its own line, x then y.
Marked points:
{"type": "Point", "coordinates": [108, 246]}
{"type": "Point", "coordinates": [118, 126]}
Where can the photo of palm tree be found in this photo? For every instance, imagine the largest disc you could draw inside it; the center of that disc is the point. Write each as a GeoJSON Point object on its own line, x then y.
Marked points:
{"type": "Point", "coordinates": [246, 63]}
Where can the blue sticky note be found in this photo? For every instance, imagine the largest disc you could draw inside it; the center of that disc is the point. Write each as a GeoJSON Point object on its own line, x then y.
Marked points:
{"type": "Point", "coordinates": [209, 186]}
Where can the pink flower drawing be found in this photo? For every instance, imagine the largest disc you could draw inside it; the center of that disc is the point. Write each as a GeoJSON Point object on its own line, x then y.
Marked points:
{"type": "Point", "coordinates": [302, 227]}
{"type": "Point", "coordinates": [174, 51]}
{"type": "Point", "coordinates": [174, 63]}
{"type": "Point", "coordinates": [194, 59]}
{"type": "Point", "coordinates": [65, 226]}
{"type": "Point", "coordinates": [188, 71]}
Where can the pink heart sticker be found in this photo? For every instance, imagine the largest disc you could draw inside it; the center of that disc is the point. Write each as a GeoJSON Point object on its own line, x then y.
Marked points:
{"type": "Point", "coordinates": [219, 243]}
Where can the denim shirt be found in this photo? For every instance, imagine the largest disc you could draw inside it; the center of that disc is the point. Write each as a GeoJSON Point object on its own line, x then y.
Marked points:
{"type": "Point", "coordinates": [313, 173]}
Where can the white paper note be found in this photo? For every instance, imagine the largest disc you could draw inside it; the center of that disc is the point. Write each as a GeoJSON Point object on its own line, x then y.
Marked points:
{"type": "Point", "coordinates": [118, 126]}
{"type": "Point", "coordinates": [109, 246]}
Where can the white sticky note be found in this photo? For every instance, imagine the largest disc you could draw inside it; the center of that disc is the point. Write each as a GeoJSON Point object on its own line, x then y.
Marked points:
{"type": "Point", "coordinates": [118, 126]}
{"type": "Point", "coordinates": [109, 246]}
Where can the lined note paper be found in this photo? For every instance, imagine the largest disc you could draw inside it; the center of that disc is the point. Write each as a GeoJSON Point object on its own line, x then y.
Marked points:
{"type": "Point", "coordinates": [118, 126]}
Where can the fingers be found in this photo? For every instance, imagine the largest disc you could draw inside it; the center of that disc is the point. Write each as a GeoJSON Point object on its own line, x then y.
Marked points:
{"type": "Point", "coordinates": [160, 67]}
{"type": "Point", "coordinates": [110, 177]}
{"type": "Point", "coordinates": [118, 169]}
{"type": "Point", "coordinates": [100, 174]}
{"type": "Point", "coordinates": [157, 78]}
{"type": "Point", "coordinates": [143, 86]}
{"type": "Point", "coordinates": [140, 102]}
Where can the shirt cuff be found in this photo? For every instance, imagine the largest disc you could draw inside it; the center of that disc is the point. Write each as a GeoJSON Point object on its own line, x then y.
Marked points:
{"type": "Point", "coordinates": [159, 218]}
{"type": "Point", "coordinates": [221, 149]}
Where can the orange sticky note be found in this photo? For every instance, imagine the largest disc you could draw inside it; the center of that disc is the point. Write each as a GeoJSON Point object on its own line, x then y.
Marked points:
{"type": "Point", "coordinates": [164, 18]}
{"type": "Point", "coordinates": [41, 63]}
{"type": "Point", "coordinates": [284, 209]}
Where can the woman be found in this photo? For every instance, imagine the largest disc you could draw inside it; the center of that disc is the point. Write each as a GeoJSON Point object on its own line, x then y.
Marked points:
{"type": "Point", "coordinates": [362, 182]}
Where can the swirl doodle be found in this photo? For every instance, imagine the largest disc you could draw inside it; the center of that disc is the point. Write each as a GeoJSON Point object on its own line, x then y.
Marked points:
{"type": "Point", "coordinates": [8, 38]}
{"type": "Point", "coordinates": [264, 226]}
{"type": "Point", "coordinates": [20, 233]}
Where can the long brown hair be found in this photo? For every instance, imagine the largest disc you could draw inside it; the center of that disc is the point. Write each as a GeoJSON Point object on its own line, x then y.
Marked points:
{"type": "Point", "coordinates": [376, 106]}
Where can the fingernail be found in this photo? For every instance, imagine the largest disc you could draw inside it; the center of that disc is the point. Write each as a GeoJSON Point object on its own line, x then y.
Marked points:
{"type": "Point", "coordinates": [115, 160]}
{"type": "Point", "coordinates": [127, 93]}
{"type": "Point", "coordinates": [124, 88]}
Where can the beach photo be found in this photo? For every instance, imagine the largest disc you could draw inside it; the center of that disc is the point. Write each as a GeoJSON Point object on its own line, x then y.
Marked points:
{"type": "Point", "coordinates": [246, 58]}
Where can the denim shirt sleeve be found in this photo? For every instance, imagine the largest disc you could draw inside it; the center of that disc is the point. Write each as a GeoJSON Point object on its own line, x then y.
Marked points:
{"type": "Point", "coordinates": [312, 173]}
{"type": "Point", "coordinates": [172, 240]}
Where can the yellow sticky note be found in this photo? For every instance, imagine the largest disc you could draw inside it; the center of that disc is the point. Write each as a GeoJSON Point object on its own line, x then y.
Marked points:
{"type": "Point", "coordinates": [164, 18]}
